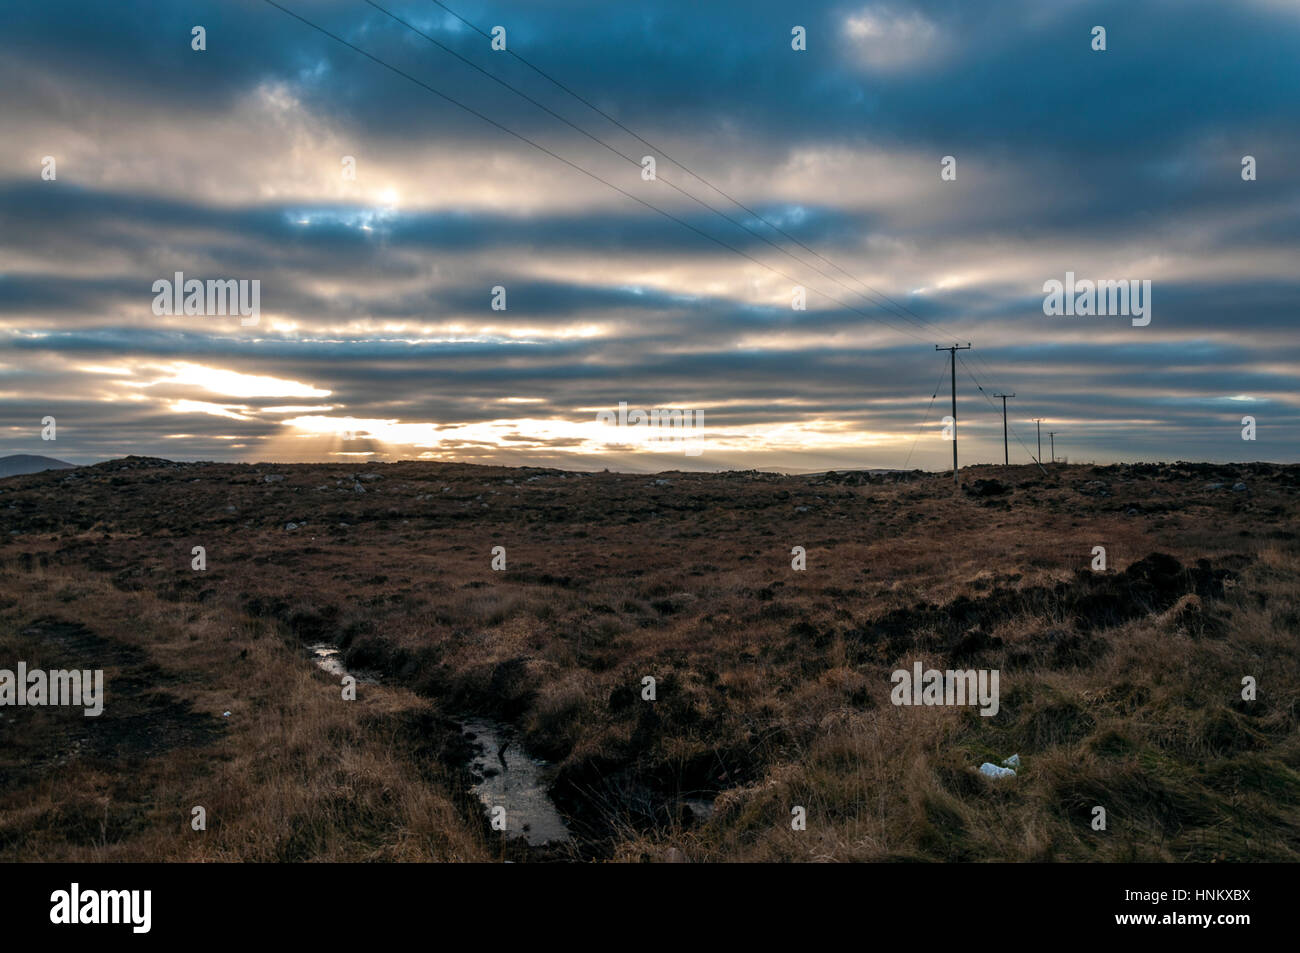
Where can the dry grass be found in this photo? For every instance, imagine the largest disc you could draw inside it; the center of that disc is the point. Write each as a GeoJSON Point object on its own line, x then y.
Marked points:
{"type": "Point", "coordinates": [294, 772]}
{"type": "Point", "coordinates": [1120, 690]}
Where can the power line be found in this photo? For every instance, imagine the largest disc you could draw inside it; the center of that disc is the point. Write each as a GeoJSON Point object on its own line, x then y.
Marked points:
{"type": "Point", "coordinates": [601, 142]}
{"type": "Point", "coordinates": [633, 161]}
{"type": "Point", "coordinates": [1013, 429]}
{"type": "Point", "coordinates": [918, 320]}
{"type": "Point", "coordinates": [924, 420]}
{"type": "Point", "coordinates": [574, 165]}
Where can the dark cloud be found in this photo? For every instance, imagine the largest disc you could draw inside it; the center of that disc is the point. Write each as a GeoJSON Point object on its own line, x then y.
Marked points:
{"type": "Point", "coordinates": [1069, 160]}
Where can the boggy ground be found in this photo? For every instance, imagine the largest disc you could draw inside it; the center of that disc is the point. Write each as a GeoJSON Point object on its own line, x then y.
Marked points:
{"type": "Point", "coordinates": [1120, 689]}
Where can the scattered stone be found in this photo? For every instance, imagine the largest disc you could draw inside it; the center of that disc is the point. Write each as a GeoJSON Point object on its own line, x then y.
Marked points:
{"type": "Point", "coordinates": [1238, 488]}
{"type": "Point", "coordinates": [986, 488]}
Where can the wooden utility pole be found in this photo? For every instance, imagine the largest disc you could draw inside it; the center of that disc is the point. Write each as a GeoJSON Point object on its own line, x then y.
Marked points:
{"type": "Point", "coordinates": [1006, 457]}
{"type": "Point", "coordinates": [953, 352]}
{"type": "Point", "coordinates": [1052, 436]}
{"type": "Point", "coordinates": [1039, 422]}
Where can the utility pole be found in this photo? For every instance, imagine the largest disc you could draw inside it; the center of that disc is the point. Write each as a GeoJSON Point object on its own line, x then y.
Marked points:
{"type": "Point", "coordinates": [1039, 422]}
{"type": "Point", "coordinates": [953, 352]}
{"type": "Point", "coordinates": [1006, 458]}
{"type": "Point", "coordinates": [1052, 436]}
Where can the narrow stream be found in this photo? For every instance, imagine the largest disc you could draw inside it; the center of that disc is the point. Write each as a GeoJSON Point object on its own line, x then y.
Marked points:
{"type": "Point", "coordinates": [512, 780]}
{"type": "Point", "coordinates": [505, 775]}
{"type": "Point", "coordinates": [327, 659]}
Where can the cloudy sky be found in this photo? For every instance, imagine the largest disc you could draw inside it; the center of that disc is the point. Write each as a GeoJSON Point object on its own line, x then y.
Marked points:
{"type": "Point", "coordinates": [377, 338]}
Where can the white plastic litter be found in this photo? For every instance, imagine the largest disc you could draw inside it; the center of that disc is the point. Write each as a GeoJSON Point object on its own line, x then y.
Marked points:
{"type": "Point", "coordinates": [994, 771]}
{"type": "Point", "coordinates": [1013, 761]}
{"type": "Point", "coordinates": [225, 714]}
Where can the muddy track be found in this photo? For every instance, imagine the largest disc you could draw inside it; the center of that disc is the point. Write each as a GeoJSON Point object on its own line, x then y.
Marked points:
{"type": "Point", "coordinates": [140, 718]}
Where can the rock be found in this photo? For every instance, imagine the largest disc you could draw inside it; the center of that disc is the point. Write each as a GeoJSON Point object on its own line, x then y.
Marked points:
{"type": "Point", "coordinates": [371, 477]}
{"type": "Point", "coordinates": [1238, 488]}
{"type": "Point", "coordinates": [989, 769]}
{"type": "Point", "coordinates": [1214, 486]}
{"type": "Point", "coordinates": [273, 477]}
{"type": "Point", "coordinates": [986, 488]}
{"type": "Point", "coordinates": [358, 488]}
{"type": "Point", "coordinates": [290, 526]}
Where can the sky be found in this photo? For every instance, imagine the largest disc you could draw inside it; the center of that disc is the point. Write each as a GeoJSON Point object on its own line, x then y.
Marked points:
{"type": "Point", "coordinates": [380, 190]}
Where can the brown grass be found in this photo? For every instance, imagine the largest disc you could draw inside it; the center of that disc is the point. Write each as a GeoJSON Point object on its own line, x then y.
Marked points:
{"type": "Point", "coordinates": [772, 685]}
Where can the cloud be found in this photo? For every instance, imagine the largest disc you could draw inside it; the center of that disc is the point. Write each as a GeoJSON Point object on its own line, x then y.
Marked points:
{"type": "Point", "coordinates": [376, 290]}
{"type": "Point", "coordinates": [230, 383]}
{"type": "Point", "coordinates": [889, 38]}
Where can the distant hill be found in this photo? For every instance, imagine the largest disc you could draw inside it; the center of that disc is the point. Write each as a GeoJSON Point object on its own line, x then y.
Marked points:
{"type": "Point", "coordinates": [19, 463]}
